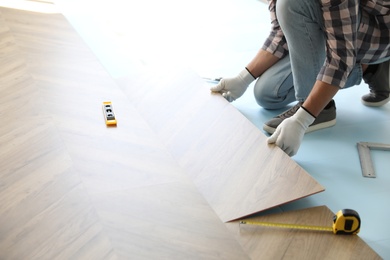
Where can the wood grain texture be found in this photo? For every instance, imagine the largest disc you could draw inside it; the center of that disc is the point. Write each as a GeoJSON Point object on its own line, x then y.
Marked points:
{"type": "Point", "coordinates": [279, 243]}
{"type": "Point", "coordinates": [225, 155]}
{"type": "Point", "coordinates": [72, 188]}
{"type": "Point", "coordinates": [176, 223]}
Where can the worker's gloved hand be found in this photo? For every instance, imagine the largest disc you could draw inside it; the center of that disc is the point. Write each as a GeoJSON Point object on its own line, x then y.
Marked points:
{"type": "Point", "coordinates": [289, 134]}
{"type": "Point", "coordinates": [233, 88]}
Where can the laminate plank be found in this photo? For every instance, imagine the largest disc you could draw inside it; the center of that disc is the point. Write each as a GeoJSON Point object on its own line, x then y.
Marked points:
{"type": "Point", "coordinates": [112, 176]}
{"type": "Point", "coordinates": [177, 223]}
{"type": "Point", "coordinates": [44, 209]}
{"type": "Point", "coordinates": [18, 92]}
{"type": "Point", "coordinates": [60, 226]}
{"type": "Point", "coordinates": [279, 243]}
{"type": "Point", "coordinates": [225, 155]}
{"type": "Point", "coordinates": [73, 87]}
{"type": "Point", "coordinates": [36, 179]}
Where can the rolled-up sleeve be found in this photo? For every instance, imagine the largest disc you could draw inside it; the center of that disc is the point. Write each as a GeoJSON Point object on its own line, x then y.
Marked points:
{"type": "Point", "coordinates": [276, 42]}
{"type": "Point", "coordinates": [341, 26]}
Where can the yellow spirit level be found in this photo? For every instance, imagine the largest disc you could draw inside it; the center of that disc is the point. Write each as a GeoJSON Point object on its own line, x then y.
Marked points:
{"type": "Point", "coordinates": [109, 115]}
{"type": "Point", "coordinates": [346, 221]}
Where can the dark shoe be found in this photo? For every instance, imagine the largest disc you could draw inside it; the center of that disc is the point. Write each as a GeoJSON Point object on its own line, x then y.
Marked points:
{"type": "Point", "coordinates": [326, 118]}
{"type": "Point", "coordinates": [378, 82]}
{"type": "Point", "coordinates": [375, 99]}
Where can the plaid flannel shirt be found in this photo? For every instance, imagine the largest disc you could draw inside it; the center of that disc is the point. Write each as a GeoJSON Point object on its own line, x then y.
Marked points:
{"type": "Point", "coordinates": [348, 40]}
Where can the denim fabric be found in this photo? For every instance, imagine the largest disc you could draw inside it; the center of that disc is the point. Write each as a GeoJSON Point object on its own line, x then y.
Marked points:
{"type": "Point", "coordinates": [275, 88]}
{"type": "Point", "coordinates": [293, 77]}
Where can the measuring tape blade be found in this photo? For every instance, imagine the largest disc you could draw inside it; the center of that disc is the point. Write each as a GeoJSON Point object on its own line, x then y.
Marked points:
{"type": "Point", "coordinates": [291, 226]}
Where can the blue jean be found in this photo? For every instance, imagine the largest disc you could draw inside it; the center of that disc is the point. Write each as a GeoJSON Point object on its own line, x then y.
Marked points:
{"type": "Point", "coordinates": [293, 77]}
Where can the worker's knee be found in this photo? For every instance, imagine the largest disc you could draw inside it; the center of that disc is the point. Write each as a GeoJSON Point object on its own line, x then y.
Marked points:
{"type": "Point", "coordinates": [268, 95]}
{"type": "Point", "coordinates": [275, 88]}
{"type": "Point", "coordinates": [292, 12]}
{"type": "Point", "coordinates": [263, 95]}
{"type": "Point", "coordinates": [284, 9]}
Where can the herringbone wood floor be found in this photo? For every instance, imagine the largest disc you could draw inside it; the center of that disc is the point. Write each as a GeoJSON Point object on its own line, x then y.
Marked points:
{"type": "Point", "coordinates": [159, 185]}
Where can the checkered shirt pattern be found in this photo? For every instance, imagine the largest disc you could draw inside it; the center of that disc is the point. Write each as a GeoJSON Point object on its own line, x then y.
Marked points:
{"type": "Point", "coordinates": [348, 40]}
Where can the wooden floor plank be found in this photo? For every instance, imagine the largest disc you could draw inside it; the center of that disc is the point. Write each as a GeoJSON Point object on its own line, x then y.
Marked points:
{"type": "Point", "coordinates": [226, 156]}
{"type": "Point", "coordinates": [44, 206]}
{"type": "Point", "coordinates": [177, 223]}
{"type": "Point", "coordinates": [116, 175]}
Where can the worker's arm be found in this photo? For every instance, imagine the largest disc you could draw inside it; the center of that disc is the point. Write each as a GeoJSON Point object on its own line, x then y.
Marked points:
{"type": "Point", "coordinates": [321, 94]}
{"type": "Point", "coordinates": [261, 62]}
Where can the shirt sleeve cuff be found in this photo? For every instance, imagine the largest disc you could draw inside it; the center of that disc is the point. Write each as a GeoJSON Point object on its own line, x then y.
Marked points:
{"type": "Point", "coordinates": [332, 76]}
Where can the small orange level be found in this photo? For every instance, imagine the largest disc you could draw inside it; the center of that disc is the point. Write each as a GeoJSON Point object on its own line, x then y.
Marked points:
{"type": "Point", "coordinates": [108, 112]}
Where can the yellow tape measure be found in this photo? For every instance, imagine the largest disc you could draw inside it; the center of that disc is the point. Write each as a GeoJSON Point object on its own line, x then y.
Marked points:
{"type": "Point", "coordinates": [346, 221]}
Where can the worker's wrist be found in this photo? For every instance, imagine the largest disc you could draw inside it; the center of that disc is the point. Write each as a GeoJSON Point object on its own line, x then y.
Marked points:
{"type": "Point", "coordinates": [308, 112]}
{"type": "Point", "coordinates": [246, 77]}
{"type": "Point", "coordinates": [303, 116]}
{"type": "Point", "coordinates": [250, 73]}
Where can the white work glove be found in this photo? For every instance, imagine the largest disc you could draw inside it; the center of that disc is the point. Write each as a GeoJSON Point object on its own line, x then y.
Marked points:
{"type": "Point", "coordinates": [289, 134]}
{"type": "Point", "coordinates": [233, 88]}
